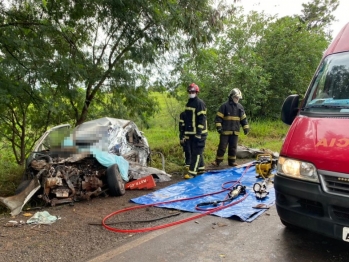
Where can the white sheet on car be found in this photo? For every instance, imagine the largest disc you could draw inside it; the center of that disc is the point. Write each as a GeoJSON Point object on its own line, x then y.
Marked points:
{"type": "Point", "coordinates": [107, 159]}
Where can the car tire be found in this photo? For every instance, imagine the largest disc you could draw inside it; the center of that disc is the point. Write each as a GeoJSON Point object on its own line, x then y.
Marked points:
{"type": "Point", "coordinates": [114, 180]}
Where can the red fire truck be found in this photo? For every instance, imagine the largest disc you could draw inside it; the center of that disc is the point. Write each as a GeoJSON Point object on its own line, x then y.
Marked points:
{"type": "Point", "coordinates": [312, 181]}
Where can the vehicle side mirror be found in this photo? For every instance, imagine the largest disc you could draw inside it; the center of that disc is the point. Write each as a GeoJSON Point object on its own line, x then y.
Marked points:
{"type": "Point", "coordinates": [289, 109]}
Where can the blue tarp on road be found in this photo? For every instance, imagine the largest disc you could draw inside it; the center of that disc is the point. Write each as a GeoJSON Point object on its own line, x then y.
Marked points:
{"type": "Point", "coordinates": [211, 182]}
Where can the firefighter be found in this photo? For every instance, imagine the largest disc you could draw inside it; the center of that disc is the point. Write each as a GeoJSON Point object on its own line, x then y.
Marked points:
{"type": "Point", "coordinates": [195, 128]}
{"type": "Point", "coordinates": [183, 140]}
{"type": "Point", "coordinates": [230, 117]}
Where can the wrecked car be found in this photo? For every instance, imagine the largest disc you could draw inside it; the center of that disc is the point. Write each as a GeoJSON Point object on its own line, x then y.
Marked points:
{"type": "Point", "coordinates": [96, 157]}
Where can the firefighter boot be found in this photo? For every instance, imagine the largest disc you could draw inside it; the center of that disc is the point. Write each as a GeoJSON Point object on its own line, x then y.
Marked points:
{"type": "Point", "coordinates": [188, 176]}
{"type": "Point", "coordinates": [201, 170]}
{"type": "Point", "coordinates": [216, 163]}
{"type": "Point", "coordinates": [232, 163]}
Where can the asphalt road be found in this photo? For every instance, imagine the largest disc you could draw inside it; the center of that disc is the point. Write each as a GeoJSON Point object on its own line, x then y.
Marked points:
{"type": "Point", "coordinates": [213, 238]}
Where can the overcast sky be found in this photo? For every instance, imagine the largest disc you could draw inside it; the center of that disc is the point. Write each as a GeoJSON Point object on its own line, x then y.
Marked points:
{"type": "Point", "coordinates": [291, 7]}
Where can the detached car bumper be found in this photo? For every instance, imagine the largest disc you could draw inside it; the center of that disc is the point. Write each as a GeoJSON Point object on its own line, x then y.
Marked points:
{"type": "Point", "coordinates": [306, 205]}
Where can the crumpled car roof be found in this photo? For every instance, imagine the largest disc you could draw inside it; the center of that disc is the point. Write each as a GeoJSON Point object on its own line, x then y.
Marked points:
{"type": "Point", "coordinates": [113, 135]}
{"type": "Point", "coordinates": [117, 136]}
{"type": "Point", "coordinates": [97, 129]}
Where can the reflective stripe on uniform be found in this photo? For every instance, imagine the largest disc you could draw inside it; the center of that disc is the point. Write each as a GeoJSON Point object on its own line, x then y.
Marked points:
{"type": "Point", "coordinates": [230, 133]}
{"type": "Point", "coordinates": [233, 118]}
{"type": "Point", "coordinates": [196, 165]}
{"type": "Point", "coordinates": [220, 114]}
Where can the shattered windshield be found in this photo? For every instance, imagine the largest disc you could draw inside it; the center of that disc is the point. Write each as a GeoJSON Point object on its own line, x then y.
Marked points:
{"type": "Point", "coordinates": [52, 138]}
{"type": "Point", "coordinates": [330, 89]}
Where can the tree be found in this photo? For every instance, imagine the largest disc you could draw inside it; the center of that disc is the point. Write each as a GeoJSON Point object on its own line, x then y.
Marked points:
{"type": "Point", "coordinates": [18, 114]}
{"type": "Point", "coordinates": [291, 54]}
{"type": "Point", "coordinates": [82, 59]}
{"type": "Point", "coordinates": [318, 14]}
{"type": "Point", "coordinates": [231, 62]}
{"type": "Point", "coordinates": [28, 103]}
{"type": "Point", "coordinates": [98, 44]}
{"type": "Point", "coordinates": [265, 57]}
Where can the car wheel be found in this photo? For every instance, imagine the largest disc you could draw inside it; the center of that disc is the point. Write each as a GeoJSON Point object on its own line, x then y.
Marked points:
{"type": "Point", "coordinates": [114, 180]}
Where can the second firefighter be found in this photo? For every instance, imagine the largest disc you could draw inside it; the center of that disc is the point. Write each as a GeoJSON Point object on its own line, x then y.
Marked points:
{"type": "Point", "coordinates": [230, 116]}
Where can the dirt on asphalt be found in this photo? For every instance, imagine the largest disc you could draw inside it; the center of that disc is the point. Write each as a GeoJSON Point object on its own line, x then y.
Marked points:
{"type": "Point", "coordinates": [78, 234]}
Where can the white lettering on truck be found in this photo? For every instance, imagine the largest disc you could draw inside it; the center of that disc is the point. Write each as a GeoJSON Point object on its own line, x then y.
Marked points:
{"type": "Point", "coordinates": [340, 142]}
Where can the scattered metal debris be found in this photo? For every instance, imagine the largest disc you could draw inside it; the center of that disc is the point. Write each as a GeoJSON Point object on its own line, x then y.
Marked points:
{"type": "Point", "coordinates": [245, 152]}
{"type": "Point", "coordinates": [261, 206]}
{"type": "Point", "coordinates": [14, 223]}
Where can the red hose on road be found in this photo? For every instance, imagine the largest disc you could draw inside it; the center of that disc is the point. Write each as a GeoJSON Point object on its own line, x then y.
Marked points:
{"type": "Point", "coordinates": [141, 230]}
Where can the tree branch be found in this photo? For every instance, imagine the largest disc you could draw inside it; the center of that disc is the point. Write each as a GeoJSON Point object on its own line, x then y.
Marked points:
{"type": "Point", "coordinates": [24, 24]}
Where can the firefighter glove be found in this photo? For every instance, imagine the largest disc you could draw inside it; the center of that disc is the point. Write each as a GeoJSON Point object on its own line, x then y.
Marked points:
{"type": "Point", "coordinates": [246, 131]}
{"type": "Point", "coordinates": [182, 141]}
{"type": "Point", "coordinates": [219, 130]}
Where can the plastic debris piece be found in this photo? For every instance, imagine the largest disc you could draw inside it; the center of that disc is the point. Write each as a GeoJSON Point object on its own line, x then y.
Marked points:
{"type": "Point", "coordinates": [43, 217]}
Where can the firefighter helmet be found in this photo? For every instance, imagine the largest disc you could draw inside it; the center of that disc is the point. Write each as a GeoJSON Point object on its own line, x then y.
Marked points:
{"type": "Point", "coordinates": [235, 92]}
{"type": "Point", "coordinates": [193, 88]}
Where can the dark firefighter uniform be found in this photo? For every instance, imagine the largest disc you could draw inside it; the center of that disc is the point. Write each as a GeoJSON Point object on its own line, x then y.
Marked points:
{"type": "Point", "coordinates": [229, 118]}
{"type": "Point", "coordinates": [195, 128]}
{"type": "Point", "coordinates": [184, 140]}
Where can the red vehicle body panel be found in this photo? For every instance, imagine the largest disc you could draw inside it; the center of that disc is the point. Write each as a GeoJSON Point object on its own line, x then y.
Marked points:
{"type": "Point", "coordinates": [338, 45]}
{"type": "Point", "coordinates": [321, 141]}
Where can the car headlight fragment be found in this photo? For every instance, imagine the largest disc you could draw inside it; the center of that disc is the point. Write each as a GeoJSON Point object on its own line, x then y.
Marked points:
{"type": "Point", "coordinates": [297, 169]}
